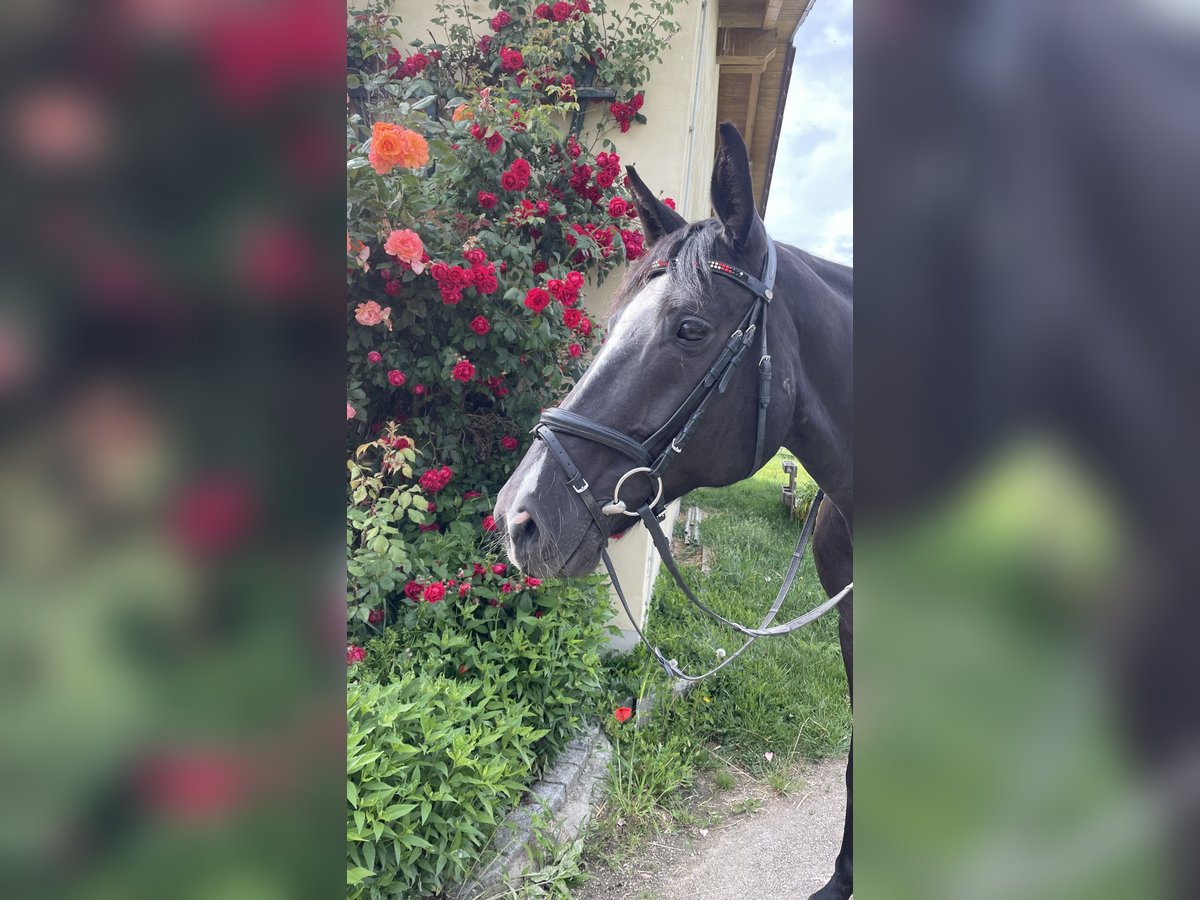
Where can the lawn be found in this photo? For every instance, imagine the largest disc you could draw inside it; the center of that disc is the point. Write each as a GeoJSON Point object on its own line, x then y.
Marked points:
{"type": "Point", "coordinates": [784, 700]}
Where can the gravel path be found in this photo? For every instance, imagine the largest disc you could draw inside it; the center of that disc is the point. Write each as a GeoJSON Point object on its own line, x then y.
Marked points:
{"type": "Point", "coordinates": [784, 850]}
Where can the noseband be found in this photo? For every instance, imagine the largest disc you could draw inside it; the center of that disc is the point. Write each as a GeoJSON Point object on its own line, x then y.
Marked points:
{"type": "Point", "coordinates": [672, 437]}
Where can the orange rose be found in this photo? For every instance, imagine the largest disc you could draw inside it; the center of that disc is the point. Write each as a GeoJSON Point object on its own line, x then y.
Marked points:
{"type": "Point", "coordinates": [406, 246]}
{"type": "Point", "coordinates": [393, 146]}
{"type": "Point", "coordinates": [463, 113]}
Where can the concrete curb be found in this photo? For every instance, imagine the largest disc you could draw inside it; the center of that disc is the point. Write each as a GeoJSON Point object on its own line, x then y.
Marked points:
{"type": "Point", "coordinates": [567, 792]}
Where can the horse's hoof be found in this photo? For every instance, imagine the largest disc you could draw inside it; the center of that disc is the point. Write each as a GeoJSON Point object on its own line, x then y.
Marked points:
{"type": "Point", "coordinates": [836, 889]}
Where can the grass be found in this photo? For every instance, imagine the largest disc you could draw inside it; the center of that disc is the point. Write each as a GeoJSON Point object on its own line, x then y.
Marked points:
{"type": "Point", "coordinates": [783, 701]}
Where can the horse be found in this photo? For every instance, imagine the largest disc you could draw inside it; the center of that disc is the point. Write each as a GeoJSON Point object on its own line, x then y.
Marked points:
{"type": "Point", "coordinates": [667, 392]}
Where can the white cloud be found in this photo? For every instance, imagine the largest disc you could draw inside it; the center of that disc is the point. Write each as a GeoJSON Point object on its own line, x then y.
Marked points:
{"type": "Point", "coordinates": [812, 187]}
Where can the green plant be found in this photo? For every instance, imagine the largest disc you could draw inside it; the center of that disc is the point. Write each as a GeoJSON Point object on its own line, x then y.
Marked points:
{"type": "Point", "coordinates": [429, 762]}
{"type": "Point", "coordinates": [536, 646]}
{"type": "Point", "coordinates": [724, 780]}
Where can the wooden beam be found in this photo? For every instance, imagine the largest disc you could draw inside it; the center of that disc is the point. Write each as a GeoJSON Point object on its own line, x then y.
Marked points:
{"type": "Point", "coordinates": [738, 19]}
{"type": "Point", "coordinates": [771, 14]}
{"type": "Point", "coordinates": [748, 131]}
{"type": "Point", "coordinates": [754, 63]}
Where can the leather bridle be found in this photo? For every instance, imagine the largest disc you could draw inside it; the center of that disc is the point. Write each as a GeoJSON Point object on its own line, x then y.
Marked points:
{"type": "Point", "coordinates": [672, 437]}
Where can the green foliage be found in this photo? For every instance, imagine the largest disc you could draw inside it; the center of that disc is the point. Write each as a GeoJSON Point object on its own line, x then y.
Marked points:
{"type": "Point", "coordinates": [454, 707]}
{"type": "Point", "coordinates": [538, 646]}
{"type": "Point", "coordinates": [430, 763]}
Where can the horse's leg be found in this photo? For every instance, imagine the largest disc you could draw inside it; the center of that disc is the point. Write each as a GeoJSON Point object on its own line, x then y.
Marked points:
{"type": "Point", "coordinates": [833, 555]}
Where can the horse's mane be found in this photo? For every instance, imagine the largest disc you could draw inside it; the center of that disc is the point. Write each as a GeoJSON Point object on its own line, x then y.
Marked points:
{"type": "Point", "coordinates": [689, 247]}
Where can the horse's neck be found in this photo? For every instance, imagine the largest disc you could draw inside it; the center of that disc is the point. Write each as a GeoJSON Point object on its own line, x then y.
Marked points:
{"type": "Point", "coordinates": [821, 436]}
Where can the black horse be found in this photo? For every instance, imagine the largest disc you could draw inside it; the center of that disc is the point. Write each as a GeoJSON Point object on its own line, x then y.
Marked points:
{"type": "Point", "coordinates": [670, 341]}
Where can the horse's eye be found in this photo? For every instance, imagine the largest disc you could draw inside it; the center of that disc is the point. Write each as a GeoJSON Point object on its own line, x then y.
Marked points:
{"type": "Point", "coordinates": [692, 330]}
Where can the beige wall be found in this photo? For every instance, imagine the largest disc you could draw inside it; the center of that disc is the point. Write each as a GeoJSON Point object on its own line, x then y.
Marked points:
{"type": "Point", "coordinates": [673, 154]}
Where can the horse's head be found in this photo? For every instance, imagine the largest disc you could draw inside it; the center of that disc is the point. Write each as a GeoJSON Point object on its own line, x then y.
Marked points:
{"type": "Point", "coordinates": [672, 327]}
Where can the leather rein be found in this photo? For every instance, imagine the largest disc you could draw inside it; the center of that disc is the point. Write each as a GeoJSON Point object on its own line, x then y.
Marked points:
{"type": "Point", "coordinates": [678, 430]}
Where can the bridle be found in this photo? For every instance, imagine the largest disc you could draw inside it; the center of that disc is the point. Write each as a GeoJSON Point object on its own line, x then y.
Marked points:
{"type": "Point", "coordinates": [673, 436]}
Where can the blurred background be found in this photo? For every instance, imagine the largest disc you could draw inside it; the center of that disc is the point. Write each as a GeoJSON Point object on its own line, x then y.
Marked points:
{"type": "Point", "coordinates": [171, 374]}
{"type": "Point", "coordinates": [171, 369]}
{"type": "Point", "coordinates": [1026, 236]}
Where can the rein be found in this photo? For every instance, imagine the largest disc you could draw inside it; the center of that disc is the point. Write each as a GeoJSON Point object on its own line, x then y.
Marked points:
{"type": "Point", "coordinates": [678, 430]}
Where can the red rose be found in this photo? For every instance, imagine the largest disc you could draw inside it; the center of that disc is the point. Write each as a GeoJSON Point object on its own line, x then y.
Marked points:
{"type": "Point", "coordinates": [617, 207]}
{"type": "Point", "coordinates": [401, 444]}
{"type": "Point", "coordinates": [375, 616]}
{"type": "Point", "coordinates": [434, 592]}
{"type": "Point", "coordinates": [508, 442]}
{"type": "Point", "coordinates": [374, 357]}
{"type": "Point", "coordinates": [489, 523]}
{"type": "Point", "coordinates": [485, 43]}
{"type": "Point", "coordinates": [622, 714]}
{"type": "Point", "coordinates": [392, 288]}
{"type": "Point", "coordinates": [475, 256]}
{"type": "Point", "coordinates": [439, 271]}
{"type": "Point", "coordinates": [585, 327]}
{"type": "Point", "coordinates": [355, 654]}
{"type": "Point", "coordinates": [500, 20]}
{"type": "Point", "coordinates": [543, 208]}
{"type": "Point", "coordinates": [478, 131]}
{"type": "Point", "coordinates": [574, 280]}
{"type": "Point", "coordinates": [668, 202]}
{"type": "Point", "coordinates": [479, 570]}
{"type": "Point", "coordinates": [450, 296]}
{"type": "Point", "coordinates": [486, 284]}
{"type": "Point", "coordinates": [537, 299]}
{"type": "Point", "coordinates": [560, 10]}
{"type": "Point", "coordinates": [506, 588]}
{"type": "Point", "coordinates": [539, 267]}
{"type": "Point", "coordinates": [556, 288]}
{"type": "Point", "coordinates": [412, 590]}
{"type": "Point", "coordinates": [633, 244]}
{"type": "Point", "coordinates": [521, 167]}
{"type": "Point", "coordinates": [464, 588]}
{"type": "Point", "coordinates": [510, 60]}
{"type": "Point", "coordinates": [487, 200]}
{"type": "Point", "coordinates": [583, 6]}
{"type": "Point", "coordinates": [396, 378]}
{"type": "Point", "coordinates": [472, 495]}
{"type": "Point", "coordinates": [604, 178]}
{"type": "Point", "coordinates": [533, 582]}
{"type": "Point", "coordinates": [574, 349]}
{"type": "Point", "coordinates": [499, 569]}
{"type": "Point", "coordinates": [572, 318]}
{"type": "Point", "coordinates": [419, 390]}
{"type": "Point", "coordinates": [480, 325]}
{"type": "Point", "coordinates": [542, 11]}
{"type": "Point", "coordinates": [463, 371]}
{"type": "Point", "coordinates": [494, 142]}
{"type": "Point", "coordinates": [510, 182]}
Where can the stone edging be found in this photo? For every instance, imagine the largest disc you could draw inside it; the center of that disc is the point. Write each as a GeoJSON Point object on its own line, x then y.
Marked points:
{"type": "Point", "coordinates": [567, 791]}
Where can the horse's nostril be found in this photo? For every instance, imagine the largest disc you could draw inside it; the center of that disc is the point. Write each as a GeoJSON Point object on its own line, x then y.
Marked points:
{"type": "Point", "coordinates": [522, 528]}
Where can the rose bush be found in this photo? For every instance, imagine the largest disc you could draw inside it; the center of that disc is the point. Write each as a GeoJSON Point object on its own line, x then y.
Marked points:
{"type": "Point", "coordinates": [474, 224]}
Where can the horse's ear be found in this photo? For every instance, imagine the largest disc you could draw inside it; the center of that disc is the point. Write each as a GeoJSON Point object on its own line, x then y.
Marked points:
{"type": "Point", "coordinates": [732, 188]}
{"type": "Point", "coordinates": [657, 218]}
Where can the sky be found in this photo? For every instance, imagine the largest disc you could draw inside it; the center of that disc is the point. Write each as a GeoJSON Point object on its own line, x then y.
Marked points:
{"type": "Point", "coordinates": [811, 204]}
